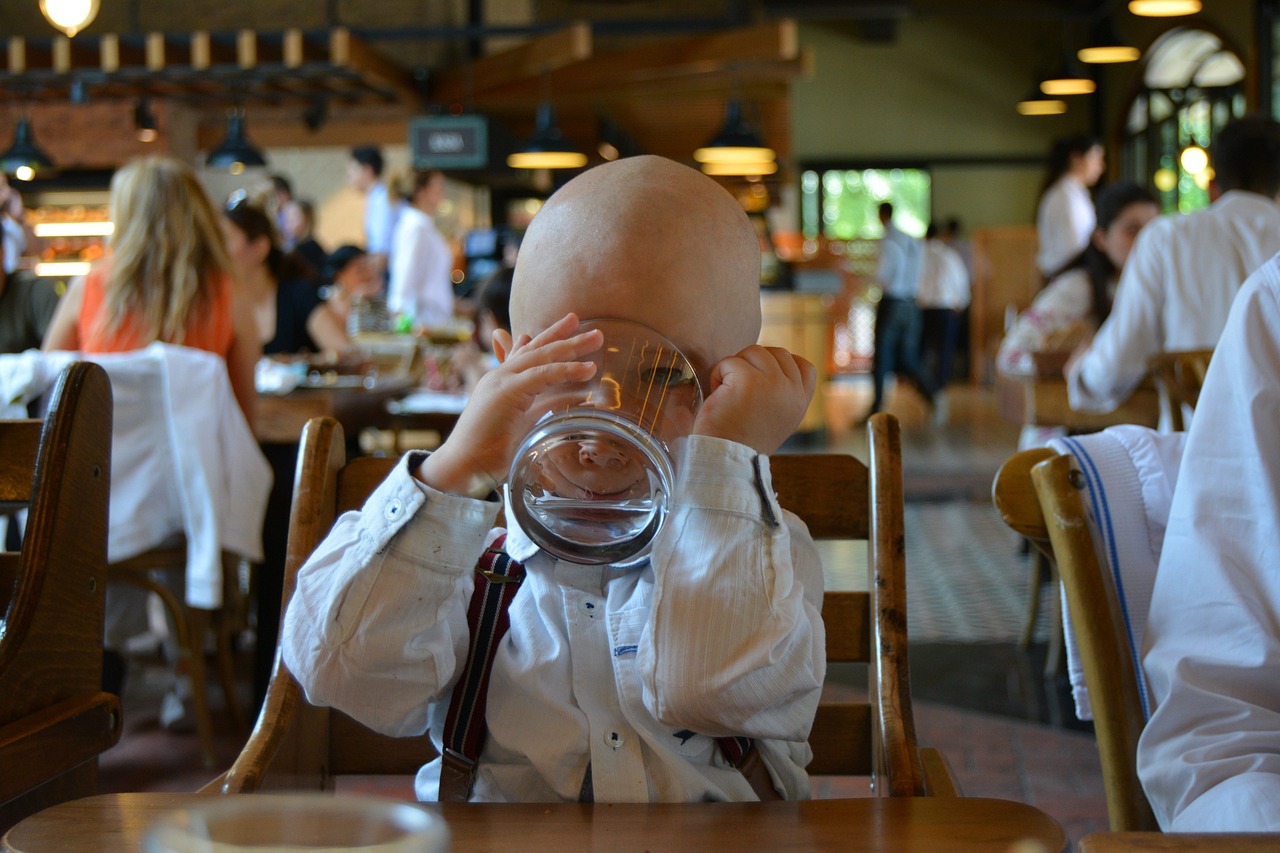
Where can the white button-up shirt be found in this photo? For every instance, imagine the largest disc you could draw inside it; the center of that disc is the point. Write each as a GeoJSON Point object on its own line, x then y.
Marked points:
{"type": "Point", "coordinates": [1209, 758]}
{"type": "Point", "coordinates": [1065, 219]}
{"type": "Point", "coordinates": [421, 267]}
{"type": "Point", "coordinates": [1175, 293]}
{"type": "Point", "coordinates": [632, 672]}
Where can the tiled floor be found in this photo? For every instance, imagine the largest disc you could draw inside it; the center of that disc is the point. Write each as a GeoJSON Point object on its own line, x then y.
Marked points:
{"type": "Point", "coordinates": [983, 704]}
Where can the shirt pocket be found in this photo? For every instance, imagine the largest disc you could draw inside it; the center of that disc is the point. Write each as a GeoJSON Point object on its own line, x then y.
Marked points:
{"type": "Point", "coordinates": [625, 629]}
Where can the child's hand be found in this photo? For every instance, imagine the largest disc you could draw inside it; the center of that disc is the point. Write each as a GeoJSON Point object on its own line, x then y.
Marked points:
{"type": "Point", "coordinates": [757, 398]}
{"type": "Point", "coordinates": [477, 455]}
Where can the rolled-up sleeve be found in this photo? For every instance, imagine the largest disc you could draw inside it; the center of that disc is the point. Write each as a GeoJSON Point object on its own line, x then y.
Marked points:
{"type": "Point", "coordinates": [735, 641]}
{"type": "Point", "coordinates": [377, 626]}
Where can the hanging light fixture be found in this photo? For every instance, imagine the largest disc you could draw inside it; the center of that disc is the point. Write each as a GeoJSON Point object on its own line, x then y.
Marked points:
{"type": "Point", "coordinates": [737, 141]}
{"type": "Point", "coordinates": [1070, 79]}
{"type": "Point", "coordinates": [1164, 8]}
{"type": "Point", "coordinates": [1107, 46]}
{"type": "Point", "coordinates": [740, 170]}
{"type": "Point", "coordinates": [24, 159]}
{"type": "Point", "coordinates": [547, 148]}
{"type": "Point", "coordinates": [1037, 104]}
{"type": "Point", "coordinates": [144, 121]}
{"type": "Point", "coordinates": [235, 153]}
{"type": "Point", "coordinates": [69, 16]}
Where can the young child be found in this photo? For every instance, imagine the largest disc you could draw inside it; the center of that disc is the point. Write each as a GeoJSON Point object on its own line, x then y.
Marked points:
{"type": "Point", "coordinates": [613, 681]}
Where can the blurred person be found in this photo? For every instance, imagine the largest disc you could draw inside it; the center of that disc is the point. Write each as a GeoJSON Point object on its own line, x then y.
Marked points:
{"type": "Point", "coordinates": [355, 293]}
{"type": "Point", "coordinates": [27, 304]}
{"type": "Point", "coordinates": [281, 195]}
{"type": "Point", "coordinates": [364, 173]}
{"type": "Point", "coordinates": [287, 310]}
{"type": "Point", "coordinates": [1185, 270]}
{"type": "Point", "coordinates": [17, 234]}
{"type": "Point", "coordinates": [1065, 217]}
{"type": "Point", "coordinates": [897, 333]}
{"type": "Point", "coordinates": [299, 227]}
{"type": "Point", "coordinates": [167, 277]}
{"type": "Point", "coordinates": [1078, 297]}
{"type": "Point", "coordinates": [493, 313]}
{"type": "Point", "coordinates": [1077, 300]}
{"type": "Point", "coordinates": [421, 260]}
{"type": "Point", "coordinates": [943, 296]}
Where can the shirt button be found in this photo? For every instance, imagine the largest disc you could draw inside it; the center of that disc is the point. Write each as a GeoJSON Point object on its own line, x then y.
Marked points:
{"type": "Point", "coordinates": [392, 509]}
{"type": "Point", "coordinates": [614, 739]}
{"type": "Point", "coordinates": [588, 607]}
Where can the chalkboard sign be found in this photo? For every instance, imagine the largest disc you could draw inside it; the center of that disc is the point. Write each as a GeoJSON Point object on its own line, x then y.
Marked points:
{"type": "Point", "coordinates": [449, 142]}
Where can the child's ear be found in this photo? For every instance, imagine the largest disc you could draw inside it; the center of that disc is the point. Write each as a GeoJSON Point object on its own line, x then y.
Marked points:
{"type": "Point", "coordinates": [501, 344]}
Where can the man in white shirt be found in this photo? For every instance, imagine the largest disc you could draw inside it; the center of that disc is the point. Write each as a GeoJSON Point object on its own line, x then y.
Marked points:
{"type": "Point", "coordinates": [942, 296]}
{"type": "Point", "coordinates": [364, 173]}
{"type": "Point", "coordinates": [1209, 758]}
{"type": "Point", "coordinates": [421, 260]}
{"type": "Point", "coordinates": [1185, 270]}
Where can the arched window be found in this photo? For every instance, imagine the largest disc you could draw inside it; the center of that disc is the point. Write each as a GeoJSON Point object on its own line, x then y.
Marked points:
{"type": "Point", "coordinates": [1191, 87]}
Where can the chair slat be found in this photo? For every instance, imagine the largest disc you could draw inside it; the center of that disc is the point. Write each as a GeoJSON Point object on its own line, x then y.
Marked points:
{"type": "Point", "coordinates": [19, 444]}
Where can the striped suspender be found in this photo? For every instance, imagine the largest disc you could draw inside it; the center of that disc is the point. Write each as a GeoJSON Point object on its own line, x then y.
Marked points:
{"type": "Point", "coordinates": [498, 577]}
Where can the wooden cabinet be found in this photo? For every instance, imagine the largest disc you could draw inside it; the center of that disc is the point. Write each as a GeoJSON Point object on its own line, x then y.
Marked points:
{"type": "Point", "coordinates": [1005, 277]}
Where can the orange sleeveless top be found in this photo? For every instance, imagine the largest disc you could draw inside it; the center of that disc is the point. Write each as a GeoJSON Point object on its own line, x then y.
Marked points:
{"type": "Point", "coordinates": [209, 328]}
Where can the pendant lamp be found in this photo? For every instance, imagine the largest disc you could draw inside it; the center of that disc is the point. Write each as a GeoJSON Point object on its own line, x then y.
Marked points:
{"type": "Point", "coordinates": [547, 148]}
{"type": "Point", "coordinates": [235, 153]}
{"type": "Point", "coordinates": [1107, 46]}
{"type": "Point", "coordinates": [24, 159]}
{"type": "Point", "coordinates": [1164, 8]}
{"type": "Point", "coordinates": [1070, 79]}
{"type": "Point", "coordinates": [737, 141]}
{"type": "Point", "coordinates": [1036, 103]}
{"type": "Point", "coordinates": [69, 16]}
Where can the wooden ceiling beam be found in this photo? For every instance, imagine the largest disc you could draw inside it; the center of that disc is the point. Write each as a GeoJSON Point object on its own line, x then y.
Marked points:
{"type": "Point", "coordinates": [345, 50]}
{"type": "Point", "coordinates": [531, 60]}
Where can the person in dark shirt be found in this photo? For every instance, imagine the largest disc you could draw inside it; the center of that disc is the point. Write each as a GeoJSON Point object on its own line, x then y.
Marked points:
{"type": "Point", "coordinates": [26, 306]}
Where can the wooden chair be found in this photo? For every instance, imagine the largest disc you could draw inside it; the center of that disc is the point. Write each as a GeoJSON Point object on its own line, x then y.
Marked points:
{"type": "Point", "coordinates": [54, 717]}
{"type": "Point", "coordinates": [1038, 496]}
{"type": "Point", "coordinates": [1180, 375]}
{"type": "Point", "coordinates": [296, 745]}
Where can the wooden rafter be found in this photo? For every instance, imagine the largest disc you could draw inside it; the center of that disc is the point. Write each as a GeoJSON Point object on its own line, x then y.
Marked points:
{"type": "Point", "coordinates": [533, 59]}
{"type": "Point", "coordinates": [205, 68]}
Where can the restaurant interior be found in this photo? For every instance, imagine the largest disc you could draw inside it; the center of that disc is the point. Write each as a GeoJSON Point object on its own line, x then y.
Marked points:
{"type": "Point", "coordinates": [947, 109]}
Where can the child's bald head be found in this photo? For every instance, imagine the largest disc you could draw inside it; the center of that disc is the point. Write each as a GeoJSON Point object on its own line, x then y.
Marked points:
{"type": "Point", "coordinates": [648, 240]}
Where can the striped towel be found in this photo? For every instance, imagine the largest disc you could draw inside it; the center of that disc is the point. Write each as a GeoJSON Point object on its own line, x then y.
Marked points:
{"type": "Point", "coordinates": [1129, 472]}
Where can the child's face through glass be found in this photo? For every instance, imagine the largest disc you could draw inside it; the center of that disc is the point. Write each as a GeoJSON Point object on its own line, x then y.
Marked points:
{"type": "Point", "coordinates": [591, 481]}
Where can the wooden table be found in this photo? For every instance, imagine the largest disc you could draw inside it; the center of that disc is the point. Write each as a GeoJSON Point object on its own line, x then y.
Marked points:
{"type": "Point", "coordinates": [1042, 401]}
{"type": "Point", "coordinates": [279, 419]}
{"type": "Point", "coordinates": [118, 822]}
{"type": "Point", "coordinates": [1233, 842]}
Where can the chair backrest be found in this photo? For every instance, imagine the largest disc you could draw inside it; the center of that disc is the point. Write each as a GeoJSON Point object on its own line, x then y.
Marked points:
{"type": "Point", "coordinates": [1180, 375]}
{"type": "Point", "coordinates": [296, 745]}
{"type": "Point", "coordinates": [54, 717]}
{"type": "Point", "coordinates": [1038, 495]}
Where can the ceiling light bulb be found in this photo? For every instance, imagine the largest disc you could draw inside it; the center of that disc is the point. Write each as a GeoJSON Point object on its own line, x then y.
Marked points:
{"type": "Point", "coordinates": [1107, 54]}
{"type": "Point", "coordinates": [1042, 107]}
{"type": "Point", "coordinates": [1164, 8]}
{"type": "Point", "coordinates": [1068, 86]}
{"type": "Point", "coordinates": [69, 16]}
{"type": "Point", "coordinates": [1194, 159]}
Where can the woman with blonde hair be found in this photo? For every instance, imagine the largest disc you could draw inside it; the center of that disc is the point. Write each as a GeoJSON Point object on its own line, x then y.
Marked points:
{"type": "Point", "coordinates": [167, 277]}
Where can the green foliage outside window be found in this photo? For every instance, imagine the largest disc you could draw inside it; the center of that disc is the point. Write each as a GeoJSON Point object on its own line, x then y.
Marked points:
{"type": "Point", "coordinates": [843, 204]}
